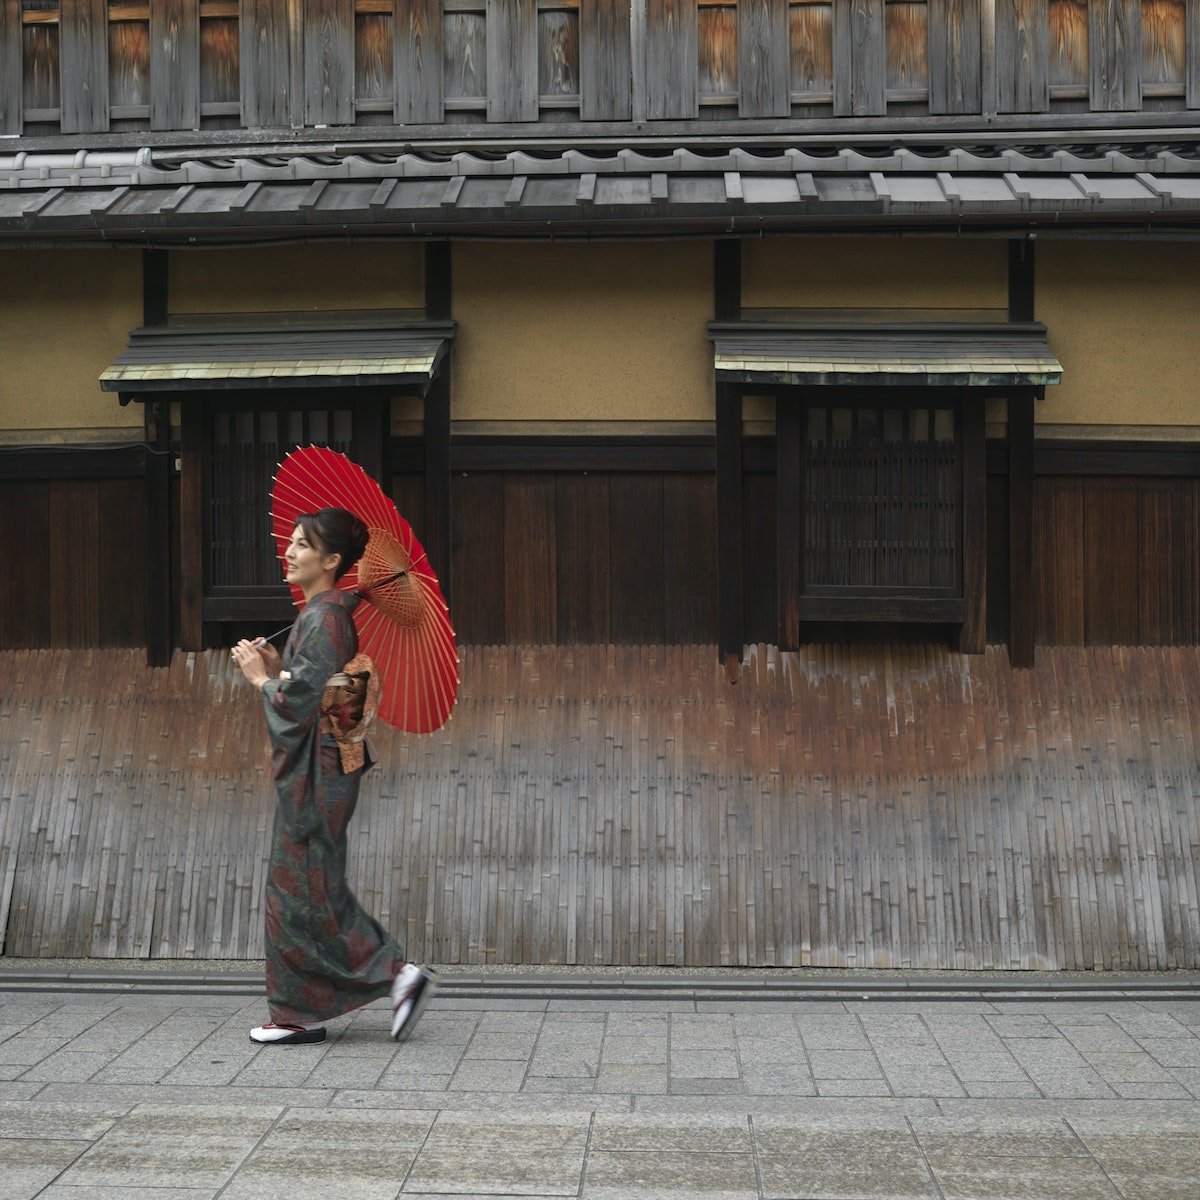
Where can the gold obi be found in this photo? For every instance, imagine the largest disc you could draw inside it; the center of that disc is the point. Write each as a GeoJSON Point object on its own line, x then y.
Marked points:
{"type": "Point", "coordinates": [348, 705]}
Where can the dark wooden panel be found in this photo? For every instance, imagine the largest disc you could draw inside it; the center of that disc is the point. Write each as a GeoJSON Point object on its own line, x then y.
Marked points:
{"type": "Point", "coordinates": [671, 59]}
{"type": "Point", "coordinates": [689, 559]}
{"type": "Point", "coordinates": [1058, 562]}
{"type": "Point", "coordinates": [25, 593]}
{"type": "Point", "coordinates": [1168, 570]}
{"type": "Point", "coordinates": [584, 580]}
{"type": "Point", "coordinates": [10, 66]}
{"type": "Point", "coordinates": [636, 527]}
{"type": "Point", "coordinates": [266, 82]}
{"type": "Point", "coordinates": [717, 52]}
{"type": "Point", "coordinates": [730, 565]}
{"type": "Point", "coordinates": [973, 635]}
{"type": "Point", "coordinates": [1022, 526]}
{"type": "Point", "coordinates": [790, 413]}
{"type": "Point", "coordinates": [1193, 53]}
{"type": "Point", "coordinates": [195, 455]}
{"type": "Point", "coordinates": [954, 57]}
{"type": "Point", "coordinates": [129, 78]}
{"type": "Point", "coordinates": [465, 56]}
{"type": "Point", "coordinates": [512, 74]}
{"type": "Point", "coordinates": [479, 559]}
{"type": "Point", "coordinates": [1022, 55]}
{"type": "Point", "coordinates": [175, 64]}
{"type": "Point", "coordinates": [859, 58]}
{"type": "Point", "coordinates": [73, 594]}
{"type": "Point", "coordinates": [558, 54]}
{"type": "Point", "coordinates": [374, 58]}
{"type": "Point", "coordinates": [605, 65]}
{"type": "Point", "coordinates": [1115, 54]}
{"type": "Point", "coordinates": [417, 46]}
{"type": "Point", "coordinates": [83, 51]}
{"type": "Point", "coordinates": [1110, 562]}
{"type": "Point", "coordinates": [329, 62]}
{"type": "Point", "coordinates": [1068, 46]}
{"type": "Point", "coordinates": [759, 542]}
{"type": "Point", "coordinates": [530, 560]}
{"type": "Point", "coordinates": [997, 560]}
{"type": "Point", "coordinates": [764, 59]}
{"type": "Point", "coordinates": [906, 45]}
{"type": "Point", "coordinates": [121, 602]}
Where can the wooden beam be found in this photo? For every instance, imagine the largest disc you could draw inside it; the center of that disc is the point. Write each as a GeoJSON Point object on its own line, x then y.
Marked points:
{"type": "Point", "coordinates": [155, 287]}
{"type": "Point", "coordinates": [727, 279]}
{"type": "Point", "coordinates": [1021, 603]}
{"type": "Point", "coordinates": [194, 457]}
{"type": "Point", "coordinates": [265, 60]}
{"type": "Point", "coordinates": [438, 513]}
{"type": "Point", "coordinates": [1022, 55]}
{"type": "Point", "coordinates": [859, 58]}
{"type": "Point", "coordinates": [954, 57]}
{"type": "Point", "coordinates": [329, 62]}
{"type": "Point", "coordinates": [512, 67]}
{"type": "Point", "coordinates": [157, 477]}
{"type": "Point", "coordinates": [672, 60]}
{"type": "Point", "coordinates": [972, 634]}
{"type": "Point", "coordinates": [1115, 55]}
{"type": "Point", "coordinates": [764, 59]}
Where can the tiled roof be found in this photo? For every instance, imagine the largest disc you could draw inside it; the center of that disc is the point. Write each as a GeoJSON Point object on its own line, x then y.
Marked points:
{"type": "Point", "coordinates": [138, 195]}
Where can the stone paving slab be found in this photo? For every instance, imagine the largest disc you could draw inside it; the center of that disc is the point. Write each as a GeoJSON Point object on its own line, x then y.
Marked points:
{"type": "Point", "coordinates": [116, 1096]}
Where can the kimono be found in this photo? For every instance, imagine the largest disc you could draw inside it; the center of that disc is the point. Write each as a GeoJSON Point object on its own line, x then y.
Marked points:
{"type": "Point", "coordinates": [325, 954]}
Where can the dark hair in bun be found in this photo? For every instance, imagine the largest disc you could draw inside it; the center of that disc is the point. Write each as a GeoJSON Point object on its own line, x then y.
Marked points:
{"type": "Point", "coordinates": [336, 531]}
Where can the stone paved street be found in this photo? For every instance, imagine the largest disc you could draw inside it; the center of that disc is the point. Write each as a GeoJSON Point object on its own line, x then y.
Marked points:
{"type": "Point", "coordinates": [119, 1084]}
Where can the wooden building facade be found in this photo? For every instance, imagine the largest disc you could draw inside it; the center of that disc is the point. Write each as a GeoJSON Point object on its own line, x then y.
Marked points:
{"type": "Point", "coordinates": [668, 323]}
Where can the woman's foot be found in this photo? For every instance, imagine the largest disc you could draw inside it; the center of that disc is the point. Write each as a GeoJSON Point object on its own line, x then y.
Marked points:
{"type": "Point", "coordinates": [272, 1034]}
{"type": "Point", "coordinates": [411, 988]}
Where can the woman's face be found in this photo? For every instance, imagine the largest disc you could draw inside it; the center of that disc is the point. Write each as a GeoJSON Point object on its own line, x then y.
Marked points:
{"type": "Point", "coordinates": [305, 563]}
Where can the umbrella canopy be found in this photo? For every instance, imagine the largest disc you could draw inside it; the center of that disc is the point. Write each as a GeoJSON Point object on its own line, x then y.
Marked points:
{"type": "Point", "coordinates": [403, 623]}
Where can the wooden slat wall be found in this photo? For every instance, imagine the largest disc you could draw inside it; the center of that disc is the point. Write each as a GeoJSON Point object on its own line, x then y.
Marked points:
{"type": "Point", "coordinates": [265, 56]}
{"type": "Point", "coordinates": [329, 62]}
{"type": "Point", "coordinates": [11, 100]}
{"type": "Point", "coordinates": [83, 55]}
{"type": "Point", "coordinates": [175, 55]}
{"type": "Point", "coordinates": [955, 79]}
{"type": "Point", "coordinates": [1115, 54]}
{"type": "Point", "coordinates": [512, 47]}
{"type": "Point", "coordinates": [859, 58]}
{"type": "Point", "coordinates": [869, 807]}
{"type": "Point", "coordinates": [671, 59]}
{"type": "Point", "coordinates": [605, 61]}
{"type": "Point", "coordinates": [417, 44]}
{"type": "Point", "coordinates": [764, 59]}
{"type": "Point", "coordinates": [1022, 55]}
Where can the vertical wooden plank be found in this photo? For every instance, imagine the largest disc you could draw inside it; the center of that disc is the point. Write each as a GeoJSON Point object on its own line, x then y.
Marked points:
{"type": "Point", "coordinates": [973, 633]}
{"type": "Point", "coordinates": [195, 456]}
{"type": "Point", "coordinates": [1022, 55]}
{"type": "Point", "coordinates": [764, 59]}
{"type": "Point", "coordinates": [73, 593]}
{"type": "Point", "coordinates": [175, 65]}
{"type": "Point", "coordinates": [438, 514]}
{"type": "Point", "coordinates": [1115, 55]}
{"type": "Point", "coordinates": [671, 59]}
{"type": "Point", "coordinates": [265, 58]}
{"type": "Point", "coordinates": [690, 560]}
{"type": "Point", "coordinates": [1111, 562]}
{"type": "Point", "coordinates": [859, 58]}
{"type": "Point", "coordinates": [122, 531]}
{"type": "Point", "coordinates": [24, 611]}
{"type": "Point", "coordinates": [83, 54]}
{"type": "Point", "coordinates": [605, 61]}
{"type": "Point", "coordinates": [417, 52]}
{"type": "Point", "coordinates": [10, 72]}
{"type": "Point", "coordinates": [729, 520]}
{"type": "Point", "coordinates": [478, 558]}
{"type": "Point", "coordinates": [636, 559]}
{"type": "Point", "coordinates": [531, 560]}
{"type": "Point", "coordinates": [584, 582]}
{"type": "Point", "coordinates": [1058, 562]}
{"type": "Point", "coordinates": [1168, 569]}
{"type": "Point", "coordinates": [954, 57]}
{"type": "Point", "coordinates": [1192, 24]}
{"type": "Point", "coordinates": [790, 422]}
{"type": "Point", "coordinates": [329, 62]}
{"type": "Point", "coordinates": [512, 60]}
{"type": "Point", "coordinates": [157, 498]}
{"type": "Point", "coordinates": [1021, 566]}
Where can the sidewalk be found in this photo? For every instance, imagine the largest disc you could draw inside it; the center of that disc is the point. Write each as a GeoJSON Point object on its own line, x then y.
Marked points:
{"type": "Point", "coordinates": [142, 1083]}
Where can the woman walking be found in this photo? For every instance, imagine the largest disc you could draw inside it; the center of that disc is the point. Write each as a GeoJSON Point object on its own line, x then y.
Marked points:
{"type": "Point", "coordinates": [325, 954]}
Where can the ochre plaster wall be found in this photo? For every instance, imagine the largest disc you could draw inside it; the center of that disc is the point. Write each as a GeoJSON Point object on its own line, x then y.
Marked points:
{"type": "Point", "coordinates": [1124, 321]}
{"type": "Point", "coordinates": [64, 316]}
{"type": "Point", "coordinates": [310, 278]}
{"type": "Point", "coordinates": [875, 273]}
{"type": "Point", "coordinates": [576, 331]}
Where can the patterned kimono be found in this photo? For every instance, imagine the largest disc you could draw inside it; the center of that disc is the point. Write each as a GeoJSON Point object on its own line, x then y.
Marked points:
{"type": "Point", "coordinates": [325, 954]}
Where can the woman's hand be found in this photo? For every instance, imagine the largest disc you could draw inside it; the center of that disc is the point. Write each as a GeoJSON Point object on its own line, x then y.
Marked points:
{"type": "Point", "coordinates": [271, 660]}
{"type": "Point", "coordinates": [256, 661]}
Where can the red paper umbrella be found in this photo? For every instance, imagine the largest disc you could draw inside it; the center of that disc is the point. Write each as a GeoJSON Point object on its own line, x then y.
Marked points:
{"type": "Point", "coordinates": [403, 623]}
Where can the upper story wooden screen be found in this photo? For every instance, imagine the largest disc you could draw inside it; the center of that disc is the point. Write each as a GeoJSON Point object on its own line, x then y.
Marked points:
{"type": "Point", "coordinates": [84, 66]}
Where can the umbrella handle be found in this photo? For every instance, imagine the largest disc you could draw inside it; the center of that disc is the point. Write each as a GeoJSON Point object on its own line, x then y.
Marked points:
{"type": "Point", "coordinates": [270, 637]}
{"type": "Point", "coordinates": [361, 593]}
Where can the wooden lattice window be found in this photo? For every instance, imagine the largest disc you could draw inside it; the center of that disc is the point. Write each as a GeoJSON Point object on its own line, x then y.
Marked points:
{"type": "Point", "coordinates": [882, 500]}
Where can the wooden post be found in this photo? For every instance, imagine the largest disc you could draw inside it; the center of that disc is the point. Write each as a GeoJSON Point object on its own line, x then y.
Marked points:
{"type": "Point", "coordinates": [194, 456]}
{"type": "Point", "coordinates": [729, 521]}
{"type": "Point", "coordinates": [438, 514]}
{"type": "Point", "coordinates": [11, 71]}
{"type": "Point", "coordinates": [157, 476]}
{"type": "Point", "coordinates": [972, 634]}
